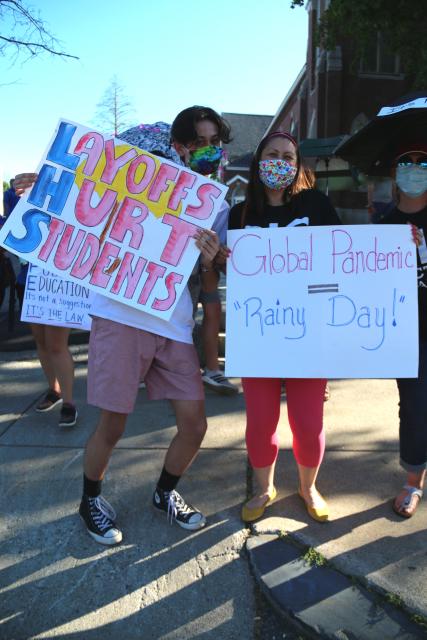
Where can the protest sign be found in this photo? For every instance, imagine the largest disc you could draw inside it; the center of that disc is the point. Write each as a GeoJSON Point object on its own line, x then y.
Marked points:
{"type": "Point", "coordinates": [322, 302]}
{"type": "Point", "coordinates": [50, 300]}
{"type": "Point", "coordinates": [113, 218]}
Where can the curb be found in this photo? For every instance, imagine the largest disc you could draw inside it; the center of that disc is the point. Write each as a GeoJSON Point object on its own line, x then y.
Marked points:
{"type": "Point", "coordinates": [319, 600]}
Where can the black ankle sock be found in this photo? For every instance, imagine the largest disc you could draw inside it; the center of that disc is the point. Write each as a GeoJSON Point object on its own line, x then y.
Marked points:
{"type": "Point", "coordinates": [91, 488]}
{"type": "Point", "coordinates": [167, 481]}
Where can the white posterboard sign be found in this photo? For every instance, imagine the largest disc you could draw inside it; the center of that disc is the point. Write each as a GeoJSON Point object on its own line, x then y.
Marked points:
{"type": "Point", "coordinates": [50, 300]}
{"type": "Point", "coordinates": [114, 218]}
{"type": "Point", "coordinates": [322, 302]}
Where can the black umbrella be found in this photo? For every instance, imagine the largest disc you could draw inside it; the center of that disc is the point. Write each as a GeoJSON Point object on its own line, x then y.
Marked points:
{"type": "Point", "coordinates": [373, 148]}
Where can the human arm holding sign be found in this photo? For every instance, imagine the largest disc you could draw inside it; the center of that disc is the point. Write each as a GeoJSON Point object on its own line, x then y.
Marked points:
{"type": "Point", "coordinates": [208, 243]}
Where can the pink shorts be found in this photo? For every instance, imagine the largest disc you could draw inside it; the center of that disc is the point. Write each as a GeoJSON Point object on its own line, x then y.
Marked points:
{"type": "Point", "coordinates": [121, 356]}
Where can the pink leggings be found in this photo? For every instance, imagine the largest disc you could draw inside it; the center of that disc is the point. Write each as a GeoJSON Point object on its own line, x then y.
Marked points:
{"type": "Point", "coordinates": [305, 414]}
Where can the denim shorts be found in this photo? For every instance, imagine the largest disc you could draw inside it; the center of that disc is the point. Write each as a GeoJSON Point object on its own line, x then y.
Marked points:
{"type": "Point", "coordinates": [413, 417]}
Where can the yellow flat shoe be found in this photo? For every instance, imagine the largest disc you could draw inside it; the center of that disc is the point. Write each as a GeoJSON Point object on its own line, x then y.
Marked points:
{"type": "Point", "coordinates": [320, 514]}
{"type": "Point", "coordinates": [249, 514]}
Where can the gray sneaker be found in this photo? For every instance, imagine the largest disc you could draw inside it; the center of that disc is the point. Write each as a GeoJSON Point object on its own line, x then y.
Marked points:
{"type": "Point", "coordinates": [68, 415]}
{"type": "Point", "coordinates": [216, 381]}
{"type": "Point", "coordinates": [49, 401]}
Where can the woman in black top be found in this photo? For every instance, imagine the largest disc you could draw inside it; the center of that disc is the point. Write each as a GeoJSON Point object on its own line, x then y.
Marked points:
{"type": "Point", "coordinates": [410, 173]}
{"type": "Point", "coordinates": [280, 193]}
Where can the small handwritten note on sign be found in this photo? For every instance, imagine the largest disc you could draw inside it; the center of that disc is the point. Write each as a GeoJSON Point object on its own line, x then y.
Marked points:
{"type": "Point", "coordinates": [322, 302]}
{"type": "Point", "coordinates": [50, 300]}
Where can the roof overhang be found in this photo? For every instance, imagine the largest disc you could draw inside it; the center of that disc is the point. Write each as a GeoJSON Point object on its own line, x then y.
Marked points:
{"type": "Point", "coordinates": [320, 147]}
{"type": "Point", "coordinates": [235, 179]}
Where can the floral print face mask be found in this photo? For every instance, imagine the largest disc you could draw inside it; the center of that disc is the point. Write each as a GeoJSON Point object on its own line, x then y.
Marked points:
{"type": "Point", "coordinates": [277, 174]}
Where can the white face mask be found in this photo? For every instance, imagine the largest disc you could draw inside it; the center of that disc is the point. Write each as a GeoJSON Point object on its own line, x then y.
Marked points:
{"type": "Point", "coordinates": [412, 180]}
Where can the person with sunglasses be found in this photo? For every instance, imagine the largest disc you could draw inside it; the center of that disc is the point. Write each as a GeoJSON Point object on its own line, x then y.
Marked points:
{"type": "Point", "coordinates": [409, 172]}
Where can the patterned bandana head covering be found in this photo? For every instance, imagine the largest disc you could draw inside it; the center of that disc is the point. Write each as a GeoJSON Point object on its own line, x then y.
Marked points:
{"type": "Point", "coordinates": [155, 138]}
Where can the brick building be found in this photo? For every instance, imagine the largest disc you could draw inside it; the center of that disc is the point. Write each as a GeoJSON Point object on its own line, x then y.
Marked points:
{"type": "Point", "coordinates": [334, 95]}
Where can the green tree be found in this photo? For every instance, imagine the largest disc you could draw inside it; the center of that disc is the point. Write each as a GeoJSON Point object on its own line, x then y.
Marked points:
{"type": "Point", "coordinates": [114, 110]}
{"type": "Point", "coordinates": [22, 31]}
{"type": "Point", "coordinates": [402, 24]}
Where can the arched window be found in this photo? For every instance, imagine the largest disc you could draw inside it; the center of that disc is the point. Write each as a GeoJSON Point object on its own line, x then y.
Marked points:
{"type": "Point", "coordinates": [379, 60]}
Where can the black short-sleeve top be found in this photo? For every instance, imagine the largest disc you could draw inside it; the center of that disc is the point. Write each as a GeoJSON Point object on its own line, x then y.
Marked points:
{"type": "Point", "coordinates": [307, 208]}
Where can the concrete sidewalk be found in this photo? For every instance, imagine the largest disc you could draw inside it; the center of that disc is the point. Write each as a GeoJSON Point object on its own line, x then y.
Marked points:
{"type": "Point", "coordinates": [166, 583]}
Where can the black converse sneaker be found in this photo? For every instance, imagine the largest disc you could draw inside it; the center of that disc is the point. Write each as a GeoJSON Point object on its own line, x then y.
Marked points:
{"type": "Point", "coordinates": [99, 518]}
{"type": "Point", "coordinates": [176, 509]}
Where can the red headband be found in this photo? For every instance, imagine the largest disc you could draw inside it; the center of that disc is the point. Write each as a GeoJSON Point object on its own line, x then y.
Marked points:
{"type": "Point", "coordinates": [283, 134]}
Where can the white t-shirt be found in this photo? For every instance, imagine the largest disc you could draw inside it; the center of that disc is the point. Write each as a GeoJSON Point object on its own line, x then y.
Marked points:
{"type": "Point", "coordinates": [180, 326]}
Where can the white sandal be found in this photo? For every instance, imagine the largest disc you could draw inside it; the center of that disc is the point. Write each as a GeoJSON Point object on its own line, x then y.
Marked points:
{"type": "Point", "coordinates": [411, 493]}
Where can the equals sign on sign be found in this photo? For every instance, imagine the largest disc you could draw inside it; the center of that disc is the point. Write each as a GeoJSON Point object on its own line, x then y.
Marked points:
{"type": "Point", "coordinates": [323, 288]}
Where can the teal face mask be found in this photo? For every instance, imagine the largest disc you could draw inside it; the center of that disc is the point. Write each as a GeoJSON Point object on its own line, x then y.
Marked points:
{"type": "Point", "coordinates": [206, 159]}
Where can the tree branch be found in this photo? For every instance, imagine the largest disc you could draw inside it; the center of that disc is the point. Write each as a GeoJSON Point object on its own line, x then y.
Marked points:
{"type": "Point", "coordinates": [36, 45]}
{"type": "Point", "coordinates": [33, 35]}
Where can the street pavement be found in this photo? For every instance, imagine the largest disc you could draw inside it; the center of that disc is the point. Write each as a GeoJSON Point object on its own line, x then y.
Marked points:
{"type": "Point", "coordinates": [361, 575]}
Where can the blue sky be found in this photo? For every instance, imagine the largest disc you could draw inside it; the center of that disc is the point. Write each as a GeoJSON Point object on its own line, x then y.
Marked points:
{"type": "Point", "coordinates": [238, 56]}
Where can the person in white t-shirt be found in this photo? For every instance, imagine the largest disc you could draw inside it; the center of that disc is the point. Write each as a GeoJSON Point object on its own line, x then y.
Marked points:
{"type": "Point", "coordinates": [128, 346]}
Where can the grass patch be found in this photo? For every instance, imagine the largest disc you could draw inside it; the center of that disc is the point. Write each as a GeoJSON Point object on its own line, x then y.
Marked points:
{"type": "Point", "coordinates": [314, 558]}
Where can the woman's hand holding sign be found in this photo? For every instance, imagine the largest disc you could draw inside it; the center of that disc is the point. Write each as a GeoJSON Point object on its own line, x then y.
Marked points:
{"type": "Point", "coordinates": [24, 181]}
{"type": "Point", "coordinates": [208, 243]}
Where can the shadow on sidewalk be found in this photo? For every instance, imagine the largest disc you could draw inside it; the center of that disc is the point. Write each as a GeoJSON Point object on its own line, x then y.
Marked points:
{"type": "Point", "coordinates": [161, 581]}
